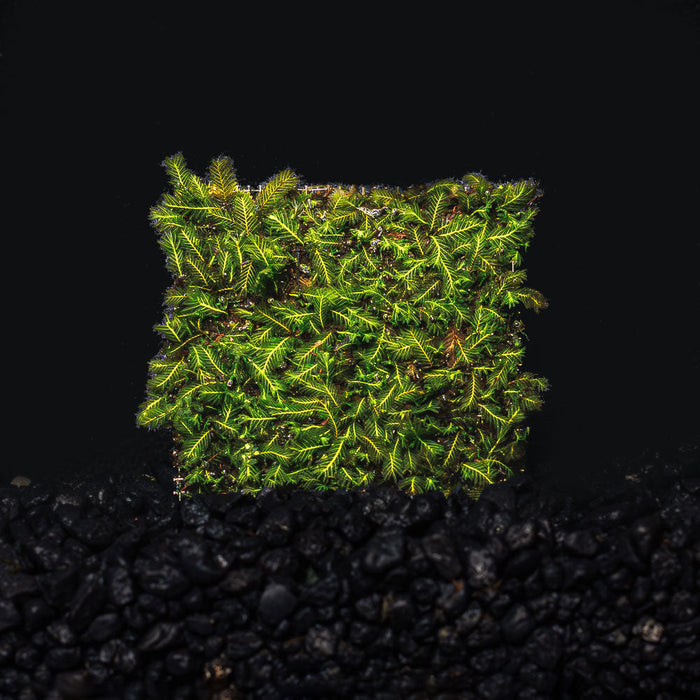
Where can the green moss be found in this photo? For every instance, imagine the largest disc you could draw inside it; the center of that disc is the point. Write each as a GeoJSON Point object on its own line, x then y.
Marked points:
{"type": "Point", "coordinates": [334, 337]}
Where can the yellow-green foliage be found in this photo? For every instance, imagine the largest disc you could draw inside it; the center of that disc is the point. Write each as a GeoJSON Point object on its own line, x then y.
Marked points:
{"type": "Point", "coordinates": [334, 337]}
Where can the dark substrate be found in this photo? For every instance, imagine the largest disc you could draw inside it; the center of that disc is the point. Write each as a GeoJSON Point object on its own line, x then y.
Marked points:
{"type": "Point", "coordinates": [111, 588]}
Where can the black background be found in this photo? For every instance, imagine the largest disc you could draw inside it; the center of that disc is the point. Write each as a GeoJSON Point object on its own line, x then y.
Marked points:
{"type": "Point", "coordinates": [597, 102]}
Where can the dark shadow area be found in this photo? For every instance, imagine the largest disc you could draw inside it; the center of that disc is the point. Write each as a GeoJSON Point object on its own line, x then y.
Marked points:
{"type": "Point", "coordinates": [599, 111]}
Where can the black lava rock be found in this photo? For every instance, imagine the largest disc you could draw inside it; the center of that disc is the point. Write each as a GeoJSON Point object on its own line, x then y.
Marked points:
{"type": "Point", "coordinates": [112, 588]}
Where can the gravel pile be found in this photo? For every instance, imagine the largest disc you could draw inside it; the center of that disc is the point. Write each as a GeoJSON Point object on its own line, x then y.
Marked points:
{"type": "Point", "coordinates": [114, 589]}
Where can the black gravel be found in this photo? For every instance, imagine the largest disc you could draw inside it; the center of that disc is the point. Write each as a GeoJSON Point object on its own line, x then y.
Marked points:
{"type": "Point", "coordinates": [111, 588]}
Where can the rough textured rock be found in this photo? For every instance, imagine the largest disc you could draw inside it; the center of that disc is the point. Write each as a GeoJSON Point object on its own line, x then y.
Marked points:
{"type": "Point", "coordinates": [111, 588]}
